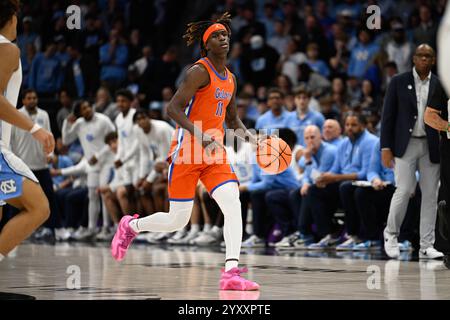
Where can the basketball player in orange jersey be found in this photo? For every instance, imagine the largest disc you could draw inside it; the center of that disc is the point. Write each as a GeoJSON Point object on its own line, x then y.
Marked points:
{"type": "Point", "coordinates": [204, 100]}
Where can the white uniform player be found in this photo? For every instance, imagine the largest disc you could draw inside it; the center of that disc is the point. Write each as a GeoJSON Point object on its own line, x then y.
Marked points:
{"type": "Point", "coordinates": [154, 147]}
{"type": "Point", "coordinates": [128, 151]}
{"type": "Point", "coordinates": [18, 185]}
{"type": "Point", "coordinates": [91, 134]}
{"type": "Point", "coordinates": [12, 167]}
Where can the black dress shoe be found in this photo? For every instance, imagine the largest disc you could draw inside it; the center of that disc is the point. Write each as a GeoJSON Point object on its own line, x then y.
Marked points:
{"type": "Point", "coordinates": [447, 261]}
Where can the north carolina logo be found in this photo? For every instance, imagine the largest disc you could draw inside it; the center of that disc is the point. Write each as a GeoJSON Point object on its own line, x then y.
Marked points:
{"type": "Point", "coordinates": [8, 186]}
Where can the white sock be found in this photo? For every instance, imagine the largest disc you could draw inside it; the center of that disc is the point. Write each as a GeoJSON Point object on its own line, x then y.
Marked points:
{"type": "Point", "coordinates": [94, 208]}
{"type": "Point", "coordinates": [178, 216]}
{"type": "Point", "coordinates": [2, 257]}
{"type": "Point", "coordinates": [216, 229]}
{"type": "Point", "coordinates": [194, 228]}
{"type": "Point", "coordinates": [227, 197]}
{"type": "Point", "coordinates": [207, 227]}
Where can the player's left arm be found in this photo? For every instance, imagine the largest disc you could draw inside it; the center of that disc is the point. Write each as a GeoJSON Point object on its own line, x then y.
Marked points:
{"type": "Point", "coordinates": [232, 119]}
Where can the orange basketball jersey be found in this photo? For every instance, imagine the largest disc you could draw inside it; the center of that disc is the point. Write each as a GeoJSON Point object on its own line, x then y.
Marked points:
{"type": "Point", "coordinates": [206, 109]}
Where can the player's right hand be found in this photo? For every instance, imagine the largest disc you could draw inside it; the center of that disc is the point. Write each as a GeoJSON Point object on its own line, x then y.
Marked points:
{"type": "Point", "coordinates": [46, 139]}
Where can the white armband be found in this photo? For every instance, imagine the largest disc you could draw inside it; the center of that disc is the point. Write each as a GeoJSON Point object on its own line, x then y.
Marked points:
{"type": "Point", "coordinates": [35, 128]}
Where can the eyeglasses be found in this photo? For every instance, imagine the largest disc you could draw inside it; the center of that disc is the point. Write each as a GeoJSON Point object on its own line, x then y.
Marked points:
{"type": "Point", "coordinates": [424, 55]}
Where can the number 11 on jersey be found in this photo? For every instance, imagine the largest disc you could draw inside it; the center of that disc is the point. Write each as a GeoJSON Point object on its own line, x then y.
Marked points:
{"type": "Point", "coordinates": [219, 109]}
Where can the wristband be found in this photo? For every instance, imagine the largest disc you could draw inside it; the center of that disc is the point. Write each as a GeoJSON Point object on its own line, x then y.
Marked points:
{"type": "Point", "coordinates": [448, 127]}
{"type": "Point", "coordinates": [35, 128]}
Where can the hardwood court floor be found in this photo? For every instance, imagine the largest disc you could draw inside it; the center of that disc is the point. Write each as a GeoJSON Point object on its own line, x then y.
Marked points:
{"type": "Point", "coordinates": [151, 272]}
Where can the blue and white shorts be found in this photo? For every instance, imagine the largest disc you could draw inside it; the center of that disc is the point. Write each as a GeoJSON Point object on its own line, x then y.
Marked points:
{"type": "Point", "coordinates": [12, 172]}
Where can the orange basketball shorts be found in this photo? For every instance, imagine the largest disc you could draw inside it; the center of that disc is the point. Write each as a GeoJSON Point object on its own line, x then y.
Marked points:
{"type": "Point", "coordinates": [183, 179]}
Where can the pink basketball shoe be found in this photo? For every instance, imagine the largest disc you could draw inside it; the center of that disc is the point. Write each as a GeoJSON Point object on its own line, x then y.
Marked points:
{"type": "Point", "coordinates": [232, 280]}
{"type": "Point", "coordinates": [123, 238]}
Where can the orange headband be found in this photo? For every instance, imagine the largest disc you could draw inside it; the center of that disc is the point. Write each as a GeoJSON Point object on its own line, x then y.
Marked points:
{"type": "Point", "coordinates": [213, 28]}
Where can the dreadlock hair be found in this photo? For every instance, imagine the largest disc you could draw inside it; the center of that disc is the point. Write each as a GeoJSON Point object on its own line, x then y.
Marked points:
{"type": "Point", "coordinates": [195, 31]}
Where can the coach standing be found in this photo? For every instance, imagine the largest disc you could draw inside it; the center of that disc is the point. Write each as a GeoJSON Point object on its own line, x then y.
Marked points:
{"type": "Point", "coordinates": [407, 145]}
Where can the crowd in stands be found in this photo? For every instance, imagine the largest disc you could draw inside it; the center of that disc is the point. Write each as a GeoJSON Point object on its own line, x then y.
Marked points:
{"type": "Point", "coordinates": [311, 69]}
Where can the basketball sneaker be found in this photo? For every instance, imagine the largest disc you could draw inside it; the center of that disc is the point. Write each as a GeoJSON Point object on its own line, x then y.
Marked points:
{"type": "Point", "coordinates": [175, 239]}
{"type": "Point", "coordinates": [303, 242]}
{"type": "Point", "coordinates": [232, 280]}
{"type": "Point", "coordinates": [211, 237]}
{"type": "Point", "coordinates": [123, 238]}
{"type": "Point", "coordinates": [430, 253]}
{"type": "Point", "coordinates": [368, 245]}
{"type": "Point", "coordinates": [254, 242]}
{"type": "Point", "coordinates": [391, 246]}
{"type": "Point", "coordinates": [288, 241]}
{"type": "Point", "coordinates": [327, 242]}
{"type": "Point", "coordinates": [447, 261]}
{"type": "Point", "coordinates": [105, 234]}
{"type": "Point", "coordinates": [348, 244]}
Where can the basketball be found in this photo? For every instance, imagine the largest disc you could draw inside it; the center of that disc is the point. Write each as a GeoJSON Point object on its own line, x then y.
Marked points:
{"type": "Point", "coordinates": [273, 155]}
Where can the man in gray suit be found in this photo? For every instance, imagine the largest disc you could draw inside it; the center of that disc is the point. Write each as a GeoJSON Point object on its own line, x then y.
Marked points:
{"type": "Point", "coordinates": [407, 145]}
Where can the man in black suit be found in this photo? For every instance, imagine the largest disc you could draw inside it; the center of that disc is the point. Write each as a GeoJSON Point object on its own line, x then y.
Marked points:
{"type": "Point", "coordinates": [407, 145]}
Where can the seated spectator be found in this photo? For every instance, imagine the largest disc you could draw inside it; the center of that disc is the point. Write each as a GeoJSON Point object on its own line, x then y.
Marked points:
{"type": "Point", "coordinates": [327, 108]}
{"type": "Point", "coordinates": [277, 201]}
{"type": "Point", "coordinates": [27, 61]}
{"type": "Point", "coordinates": [81, 78]}
{"type": "Point", "coordinates": [247, 101]}
{"type": "Point", "coordinates": [66, 106]}
{"type": "Point", "coordinates": [235, 61]}
{"type": "Point", "coordinates": [276, 116]}
{"type": "Point", "coordinates": [284, 84]}
{"type": "Point", "coordinates": [317, 65]}
{"type": "Point", "coordinates": [58, 161]}
{"type": "Point", "coordinates": [302, 116]}
{"type": "Point", "coordinates": [362, 54]}
{"type": "Point", "coordinates": [369, 100]}
{"type": "Point", "coordinates": [316, 83]}
{"type": "Point", "coordinates": [142, 63]}
{"type": "Point", "coordinates": [259, 186]}
{"type": "Point", "coordinates": [331, 132]}
{"type": "Point", "coordinates": [372, 203]}
{"type": "Point", "coordinates": [291, 58]}
{"type": "Point", "coordinates": [279, 40]}
{"type": "Point", "coordinates": [259, 62]}
{"type": "Point", "coordinates": [113, 59]}
{"type": "Point", "coordinates": [426, 31]}
{"type": "Point", "coordinates": [154, 137]}
{"type": "Point", "coordinates": [318, 157]}
{"type": "Point", "coordinates": [27, 37]}
{"type": "Point", "coordinates": [104, 104]}
{"type": "Point", "coordinates": [72, 199]}
{"type": "Point", "coordinates": [46, 75]}
{"type": "Point", "coordinates": [352, 164]}
{"type": "Point", "coordinates": [399, 49]}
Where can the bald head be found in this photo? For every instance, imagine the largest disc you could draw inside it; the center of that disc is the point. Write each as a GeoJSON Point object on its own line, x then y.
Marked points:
{"type": "Point", "coordinates": [331, 130]}
{"type": "Point", "coordinates": [312, 137]}
{"type": "Point", "coordinates": [424, 59]}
